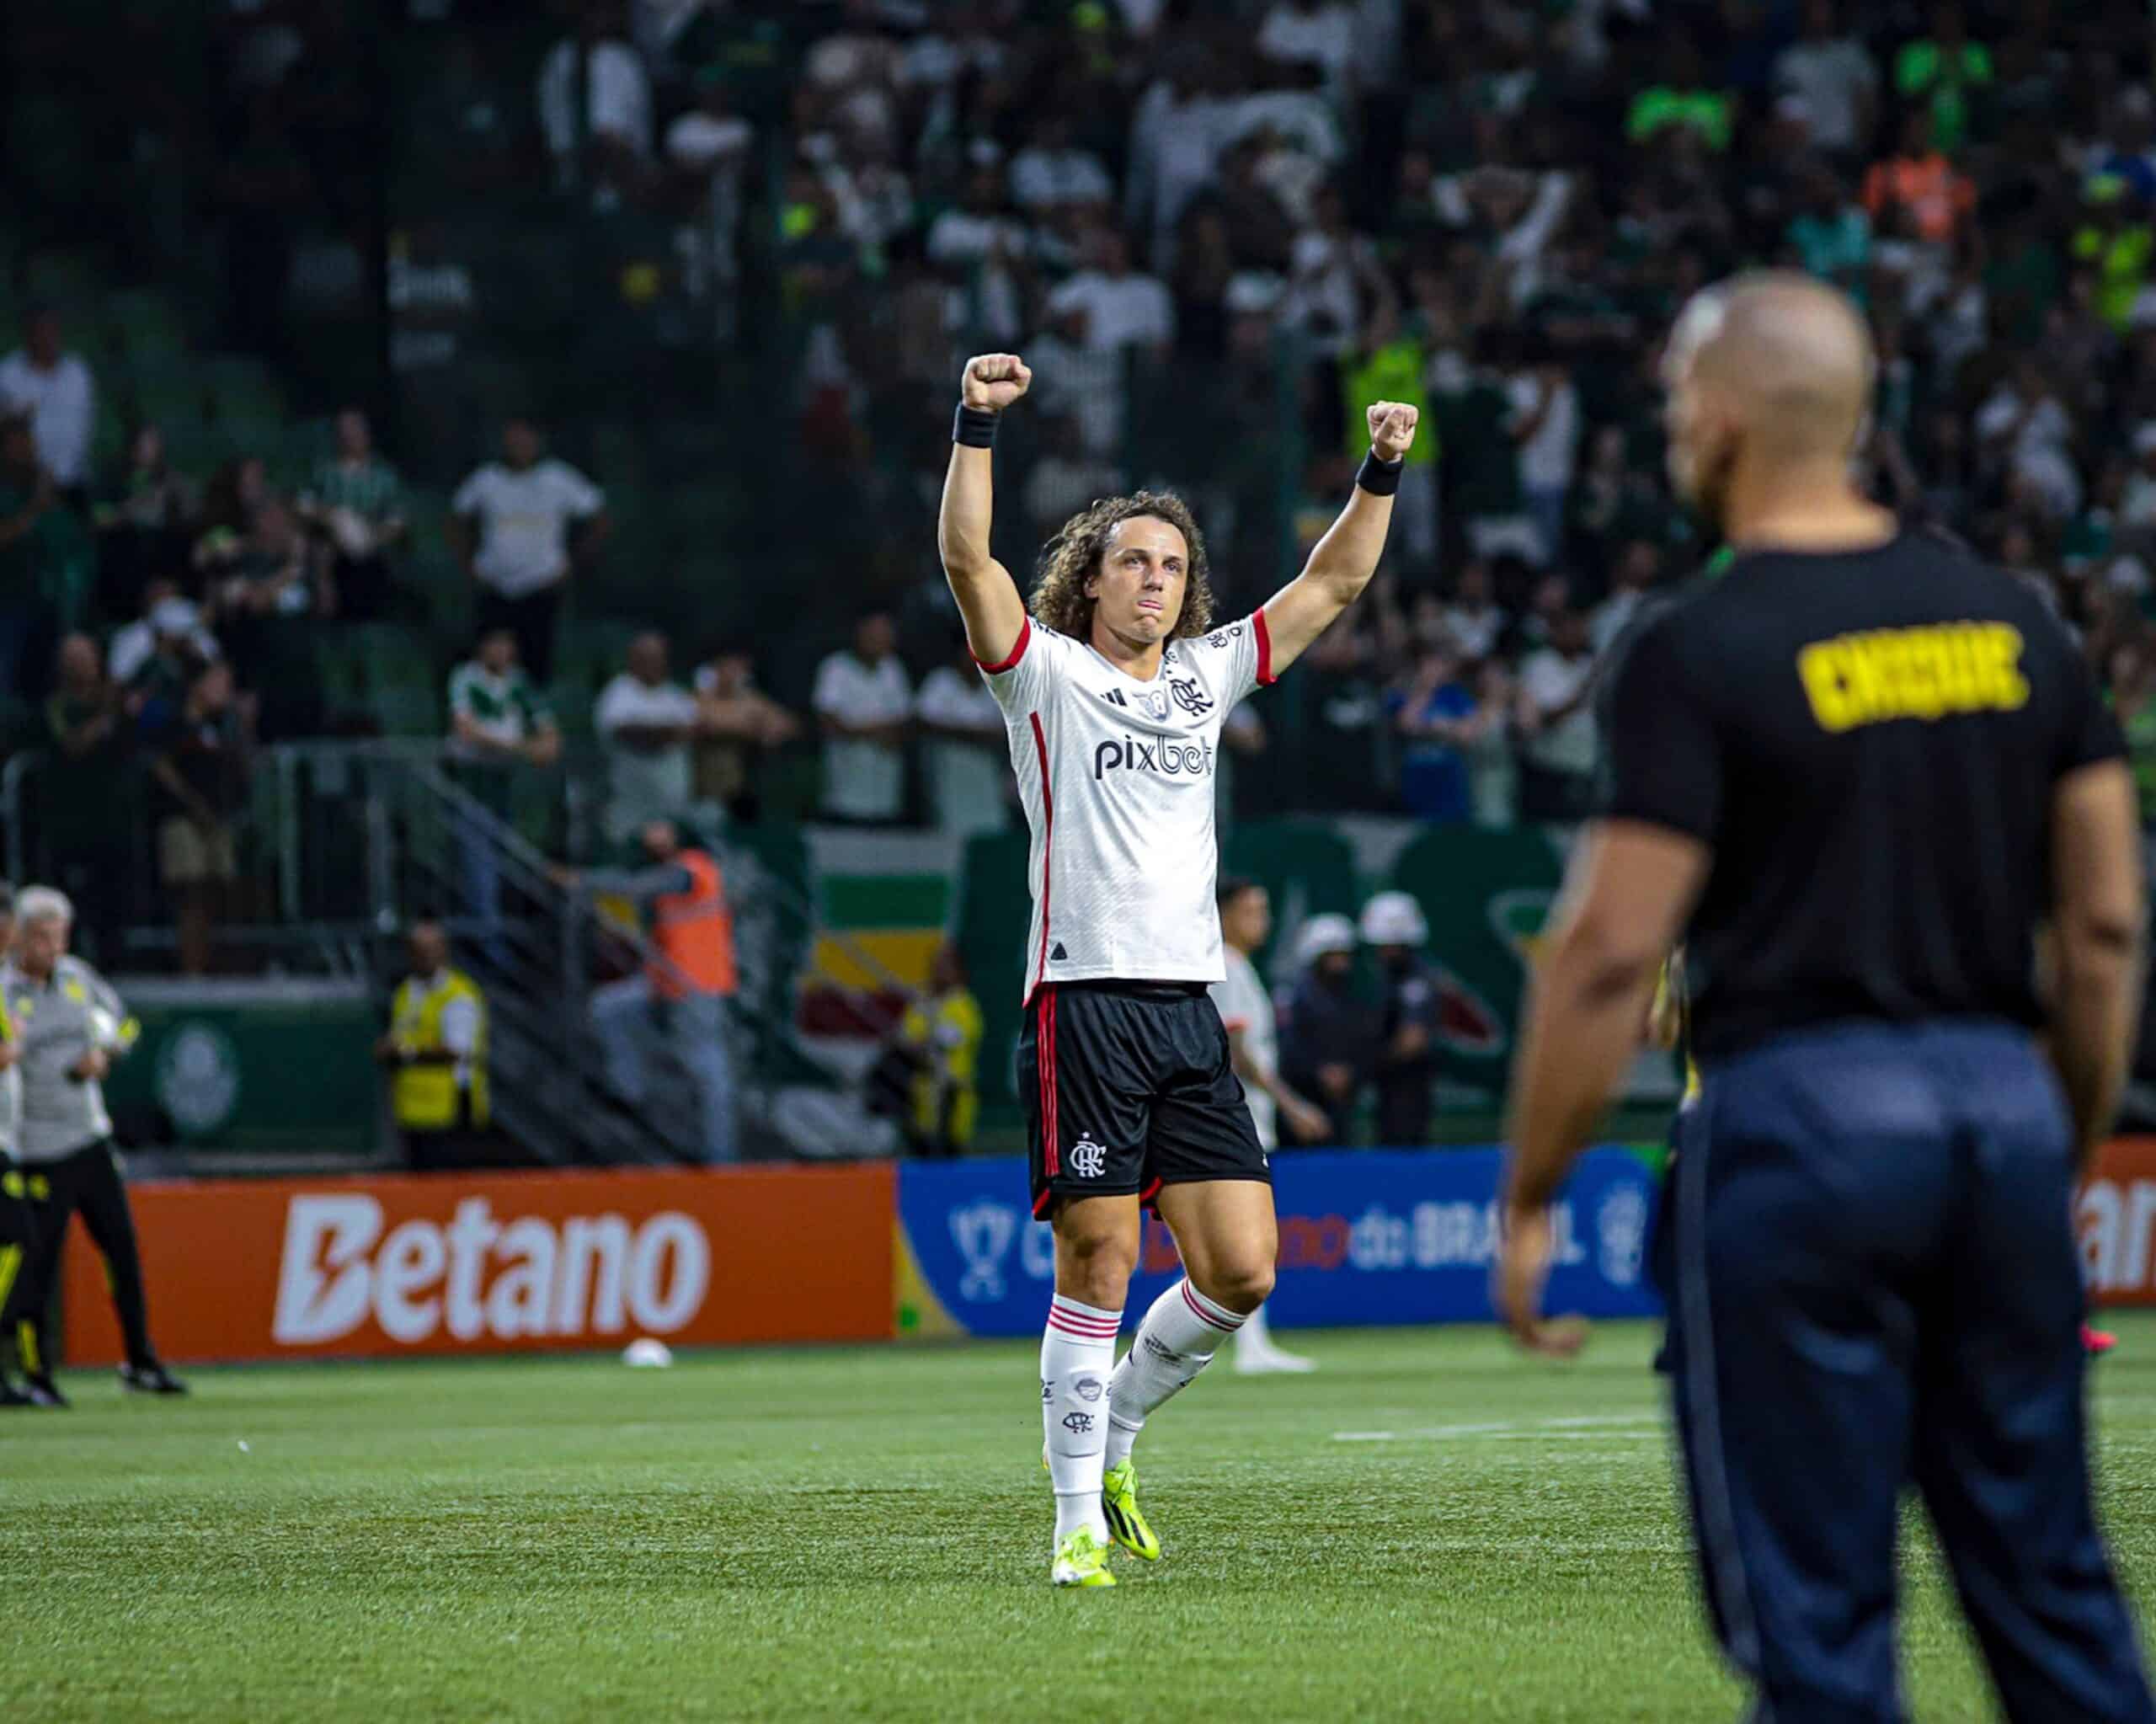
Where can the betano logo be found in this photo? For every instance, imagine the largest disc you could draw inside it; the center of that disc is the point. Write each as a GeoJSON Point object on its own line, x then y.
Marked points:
{"type": "Point", "coordinates": [478, 1276]}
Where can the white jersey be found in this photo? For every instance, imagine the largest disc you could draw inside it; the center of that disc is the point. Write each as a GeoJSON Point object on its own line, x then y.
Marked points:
{"type": "Point", "coordinates": [1116, 777]}
{"type": "Point", "coordinates": [1244, 1006]}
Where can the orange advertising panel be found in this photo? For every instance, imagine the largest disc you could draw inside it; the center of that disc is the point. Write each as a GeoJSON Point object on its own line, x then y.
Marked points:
{"type": "Point", "coordinates": [331, 1268]}
{"type": "Point", "coordinates": [2115, 1218]}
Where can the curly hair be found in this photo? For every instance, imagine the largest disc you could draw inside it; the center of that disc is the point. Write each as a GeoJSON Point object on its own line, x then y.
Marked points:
{"type": "Point", "coordinates": [1073, 557]}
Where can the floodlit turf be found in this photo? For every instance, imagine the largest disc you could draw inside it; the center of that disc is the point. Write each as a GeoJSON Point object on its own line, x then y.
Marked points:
{"type": "Point", "coordinates": [1429, 1528]}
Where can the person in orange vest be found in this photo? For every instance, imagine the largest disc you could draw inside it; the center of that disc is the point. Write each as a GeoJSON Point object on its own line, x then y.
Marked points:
{"type": "Point", "coordinates": [681, 998]}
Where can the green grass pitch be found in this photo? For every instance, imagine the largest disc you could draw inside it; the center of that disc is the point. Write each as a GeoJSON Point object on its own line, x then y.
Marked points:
{"type": "Point", "coordinates": [1429, 1528]}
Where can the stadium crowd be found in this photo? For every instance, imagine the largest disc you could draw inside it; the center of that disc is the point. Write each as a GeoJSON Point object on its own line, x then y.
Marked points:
{"type": "Point", "coordinates": [1216, 228]}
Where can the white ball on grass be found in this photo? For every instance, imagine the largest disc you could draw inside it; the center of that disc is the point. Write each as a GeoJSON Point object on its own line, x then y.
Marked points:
{"type": "Point", "coordinates": [648, 1354]}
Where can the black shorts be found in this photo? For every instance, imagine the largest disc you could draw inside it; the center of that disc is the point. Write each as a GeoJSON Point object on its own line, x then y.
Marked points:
{"type": "Point", "coordinates": [1129, 1088]}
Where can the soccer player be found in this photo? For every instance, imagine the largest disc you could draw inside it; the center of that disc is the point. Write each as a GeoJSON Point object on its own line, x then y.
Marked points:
{"type": "Point", "coordinates": [1254, 1050]}
{"type": "Point", "coordinates": [1857, 773]}
{"type": "Point", "coordinates": [1113, 691]}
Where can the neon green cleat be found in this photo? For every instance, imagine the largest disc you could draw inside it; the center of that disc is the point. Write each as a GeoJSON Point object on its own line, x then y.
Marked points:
{"type": "Point", "coordinates": [1081, 1560]}
{"type": "Point", "coordinates": [1119, 1502]}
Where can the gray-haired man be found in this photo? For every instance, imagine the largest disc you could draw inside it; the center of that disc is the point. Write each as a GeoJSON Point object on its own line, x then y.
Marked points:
{"type": "Point", "coordinates": [68, 1026]}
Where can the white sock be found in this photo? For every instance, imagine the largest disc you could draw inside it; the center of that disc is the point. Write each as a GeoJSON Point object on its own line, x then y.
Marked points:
{"type": "Point", "coordinates": [1077, 1358]}
{"type": "Point", "coordinates": [1257, 1334]}
{"type": "Point", "coordinates": [1176, 1341]}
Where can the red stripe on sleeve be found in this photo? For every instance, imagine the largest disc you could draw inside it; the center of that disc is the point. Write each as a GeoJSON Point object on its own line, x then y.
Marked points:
{"type": "Point", "coordinates": [1017, 649]}
{"type": "Point", "coordinates": [1264, 647]}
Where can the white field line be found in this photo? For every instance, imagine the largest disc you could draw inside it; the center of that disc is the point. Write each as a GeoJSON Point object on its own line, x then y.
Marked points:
{"type": "Point", "coordinates": [1589, 1427]}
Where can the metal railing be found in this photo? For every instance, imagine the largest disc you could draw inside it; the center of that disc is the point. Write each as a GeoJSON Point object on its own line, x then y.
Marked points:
{"type": "Point", "coordinates": [340, 846]}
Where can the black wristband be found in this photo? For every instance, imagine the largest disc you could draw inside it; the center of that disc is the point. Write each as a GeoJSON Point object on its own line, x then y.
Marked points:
{"type": "Point", "coordinates": [973, 427]}
{"type": "Point", "coordinates": [1380, 478]}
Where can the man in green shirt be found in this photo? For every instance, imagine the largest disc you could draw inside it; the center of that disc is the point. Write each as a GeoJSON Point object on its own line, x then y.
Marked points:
{"type": "Point", "coordinates": [1946, 69]}
{"type": "Point", "coordinates": [1387, 365]}
{"type": "Point", "coordinates": [357, 503]}
{"type": "Point", "coordinates": [499, 722]}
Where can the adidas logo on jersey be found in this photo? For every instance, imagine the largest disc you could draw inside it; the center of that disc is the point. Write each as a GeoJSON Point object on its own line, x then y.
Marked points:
{"type": "Point", "coordinates": [1059, 955]}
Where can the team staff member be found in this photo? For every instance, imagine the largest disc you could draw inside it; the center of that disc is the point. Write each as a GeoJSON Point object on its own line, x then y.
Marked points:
{"type": "Point", "coordinates": [689, 980]}
{"type": "Point", "coordinates": [940, 1036]}
{"type": "Point", "coordinates": [1857, 774]}
{"type": "Point", "coordinates": [18, 1189]}
{"type": "Point", "coordinates": [1392, 925]}
{"type": "Point", "coordinates": [1254, 1050]}
{"type": "Point", "coordinates": [436, 1049]}
{"type": "Point", "coordinates": [69, 1027]}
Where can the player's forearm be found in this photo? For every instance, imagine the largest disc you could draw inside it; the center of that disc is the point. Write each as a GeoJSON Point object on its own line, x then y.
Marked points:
{"type": "Point", "coordinates": [1347, 556]}
{"type": "Point", "coordinates": [1582, 1032]}
{"type": "Point", "coordinates": [964, 521]}
{"type": "Point", "coordinates": [2095, 1012]}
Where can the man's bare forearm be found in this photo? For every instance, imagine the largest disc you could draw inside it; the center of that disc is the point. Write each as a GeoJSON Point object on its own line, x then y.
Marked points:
{"type": "Point", "coordinates": [2096, 1012]}
{"type": "Point", "coordinates": [1345, 559]}
{"type": "Point", "coordinates": [968, 512]}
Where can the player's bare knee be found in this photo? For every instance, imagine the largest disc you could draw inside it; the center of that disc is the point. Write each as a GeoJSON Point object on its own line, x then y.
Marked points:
{"type": "Point", "coordinates": [1095, 1257]}
{"type": "Point", "coordinates": [1242, 1285]}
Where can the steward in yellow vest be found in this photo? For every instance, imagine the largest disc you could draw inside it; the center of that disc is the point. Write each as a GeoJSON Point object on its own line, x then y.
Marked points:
{"type": "Point", "coordinates": [436, 1049]}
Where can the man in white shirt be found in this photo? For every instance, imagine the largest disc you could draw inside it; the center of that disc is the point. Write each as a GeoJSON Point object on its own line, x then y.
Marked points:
{"type": "Point", "coordinates": [1113, 702]}
{"type": "Point", "coordinates": [1639, 567]}
{"type": "Point", "coordinates": [165, 615]}
{"type": "Point", "coordinates": [55, 389]}
{"type": "Point", "coordinates": [1556, 718]}
{"type": "Point", "coordinates": [864, 701]}
{"type": "Point", "coordinates": [1475, 619]}
{"type": "Point", "coordinates": [511, 526]}
{"type": "Point", "coordinates": [1835, 75]}
{"type": "Point", "coordinates": [1246, 1011]}
{"type": "Point", "coordinates": [968, 762]}
{"type": "Point", "coordinates": [646, 722]}
{"type": "Point", "coordinates": [1049, 175]}
{"type": "Point", "coordinates": [1545, 430]}
{"type": "Point", "coordinates": [616, 125]}
{"type": "Point", "coordinates": [1320, 32]}
{"type": "Point", "coordinates": [1123, 308]}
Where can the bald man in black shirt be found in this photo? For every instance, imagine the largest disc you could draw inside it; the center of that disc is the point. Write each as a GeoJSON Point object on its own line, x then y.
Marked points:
{"type": "Point", "coordinates": [1858, 777]}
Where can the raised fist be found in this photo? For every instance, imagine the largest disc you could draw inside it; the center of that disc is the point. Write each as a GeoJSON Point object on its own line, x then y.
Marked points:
{"type": "Point", "coordinates": [993, 381]}
{"type": "Point", "coordinates": [1392, 427]}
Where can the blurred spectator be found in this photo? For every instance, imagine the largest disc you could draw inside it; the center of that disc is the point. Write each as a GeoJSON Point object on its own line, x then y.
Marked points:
{"type": "Point", "coordinates": [1546, 428]}
{"type": "Point", "coordinates": [1451, 718]}
{"type": "Point", "coordinates": [1346, 705]}
{"type": "Point", "coordinates": [202, 774]}
{"type": "Point", "coordinates": [1051, 174]}
{"type": "Point", "coordinates": [33, 540]}
{"type": "Point", "coordinates": [939, 1040]}
{"type": "Point", "coordinates": [1066, 477]}
{"type": "Point", "coordinates": [84, 824]}
{"type": "Point", "coordinates": [2023, 428]}
{"type": "Point", "coordinates": [1473, 619]}
{"type": "Point", "coordinates": [737, 723]}
{"type": "Point", "coordinates": [1407, 1062]}
{"type": "Point", "coordinates": [1557, 720]}
{"type": "Point", "coordinates": [1639, 568]}
{"type": "Point", "coordinates": [55, 389]}
{"type": "Point", "coordinates": [164, 614]}
{"type": "Point", "coordinates": [355, 501]}
{"type": "Point", "coordinates": [142, 522]}
{"type": "Point", "coordinates": [237, 490]}
{"type": "Point", "coordinates": [1918, 183]}
{"type": "Point", "coordinates": [520, 525]}
{"type": "Point", "coordinates": [498, 719]}
{"type": "Point", "coordinates": [436, 1050]}
{"type": "Point", "coordinates": [1319, 33]}
{"type": "Point", "coordinates": [863, 701]}
{"type": "Point", "coordinates": [707, 147]}
{"type": "Point", "coordinates": [1243, 737]}
{"type": "Point", "coordinates": [1944, 72]}
{"type": "Point", "coordinates": [1335, 282]}
{"type": "Point", "coordinates": [2137, 510]}
{"type": "Point", "coordinates": [679, 1003]}
{"type": "Point", "coordinates": [266, 606]}
{"type": "Point", "coordinates": [967, 752]}
{"type": "Point", "coordinates": [1832, 235]}
{"type": "Point", "coordinates": [1387, 364]}
{"type": "Point", "coordinates": [611, 137]}
{"type": "Point", "coordinates": [646, 722]}
{"type": "Point", "coordinates": [1836, 77]}
{"type": "Point", "coordinates": [1683, 103]}
{"type": "Point", "coordinates": [1122, 307]}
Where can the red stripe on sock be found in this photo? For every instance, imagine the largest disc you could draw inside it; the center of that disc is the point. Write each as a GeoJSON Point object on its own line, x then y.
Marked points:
{"type": "Point", "coordinates": [1204, 1316]}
